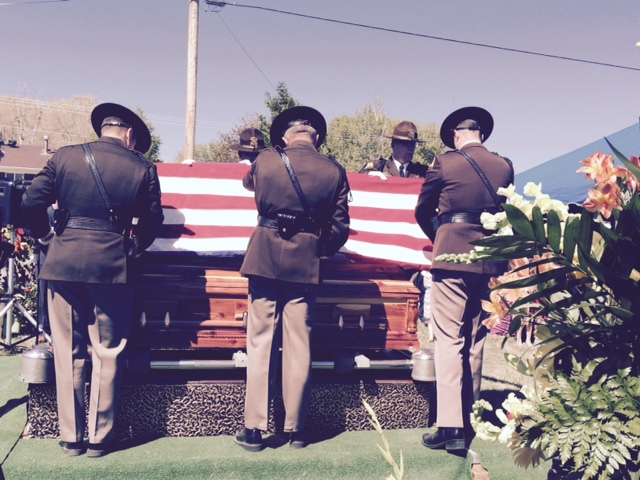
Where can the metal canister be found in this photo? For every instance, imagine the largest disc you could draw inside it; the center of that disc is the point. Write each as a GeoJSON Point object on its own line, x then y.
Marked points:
{"type": "Point", "coordinates": [37, 365]}
{"type": "Point", "coordinates": [424, 366]}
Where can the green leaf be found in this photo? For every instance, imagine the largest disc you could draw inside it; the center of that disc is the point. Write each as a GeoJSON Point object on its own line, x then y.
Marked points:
{"type": "Point", "coordinates": [585, 237]}
{"type": "Point", "coordinates": [635, 171]}
{"type": "Point", "coordinates": [519, 222]}
{"type": "Point", "coordinates": [554, 230]}
{"type": "Point", "coordinates": [571, 229]}
{"type": "Point", "coordinates": [541, 278]}
{"type": "Point", "coordinates": [518, 364]}
{"type": "Point", "coordinates": [538, 225]}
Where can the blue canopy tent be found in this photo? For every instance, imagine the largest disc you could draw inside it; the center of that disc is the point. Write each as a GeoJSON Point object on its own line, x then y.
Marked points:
{"type": "Point", "coordinates": [558, 176]}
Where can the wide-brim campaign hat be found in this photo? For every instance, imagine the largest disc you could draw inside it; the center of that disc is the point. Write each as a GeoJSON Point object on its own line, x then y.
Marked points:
{"type": "Point", "coordinates": [282, 122]}
{"type": "Point", "coordinates": [405, 131]}
{"type": "Point", "coordinates": [105, 110]}
{"type": "Point", "coordinates": [251, 140]}
{"type": "Point", "coordinates": [482, 117]}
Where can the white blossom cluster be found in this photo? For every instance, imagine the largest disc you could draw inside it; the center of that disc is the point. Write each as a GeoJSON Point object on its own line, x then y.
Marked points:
{"type": "Point", "coordinates": [541, 200]}
{"type": "Point", "coordinates": [499, 222]}
{"type": "Point", "coordinates": [513, 410]}
{"type": "Point", "coordinates": [467, 258]}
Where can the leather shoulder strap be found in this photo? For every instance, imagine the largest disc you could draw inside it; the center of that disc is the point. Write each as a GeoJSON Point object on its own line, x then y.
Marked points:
{"type": "Point", "coordinates": [295, 182]}
{"type": "Point", "coordinates": [96, 175]}
{"type": "Point", "coordinates": [483, 177]}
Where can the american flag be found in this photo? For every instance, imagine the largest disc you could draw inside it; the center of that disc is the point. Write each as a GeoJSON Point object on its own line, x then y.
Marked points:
{"type": "Point", "coordinates": [208, 212]}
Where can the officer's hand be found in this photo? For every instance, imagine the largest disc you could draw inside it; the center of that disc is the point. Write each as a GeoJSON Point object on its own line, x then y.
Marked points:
{"type": "Point", "coordinates": [47, 238]}
{"type": "Point", "coordinates": [376, 173]}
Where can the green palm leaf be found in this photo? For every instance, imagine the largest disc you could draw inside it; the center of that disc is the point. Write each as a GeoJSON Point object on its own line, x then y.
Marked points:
{"type": "Point", "coordinates": [554, 230]}
{"type": "Point", "coordinates": [538, 225]}
{"type": "Point", "coordinates": [630, 166]}
{"type": "Point", "coordinates": [571, 230]}
{"type": "Point", "coordinates": [519, 222]}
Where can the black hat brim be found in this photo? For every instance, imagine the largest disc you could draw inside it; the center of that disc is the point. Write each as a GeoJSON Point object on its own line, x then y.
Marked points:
{"type": "Point", "coordinates": [480, 115]}
{"type": "Point", "coordinates": [241, 148]}
{"type": "Point", "coordinates": [105, 110]}
{"type": "Point", "coordinates": [281, 124]}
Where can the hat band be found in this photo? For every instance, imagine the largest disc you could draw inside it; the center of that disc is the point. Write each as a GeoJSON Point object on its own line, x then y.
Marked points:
{"type": "Point", "coordinates": [115, 124]}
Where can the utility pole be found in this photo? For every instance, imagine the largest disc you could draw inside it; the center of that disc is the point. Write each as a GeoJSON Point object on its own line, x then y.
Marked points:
{"type": "Point", "coordinates": [192, 74]}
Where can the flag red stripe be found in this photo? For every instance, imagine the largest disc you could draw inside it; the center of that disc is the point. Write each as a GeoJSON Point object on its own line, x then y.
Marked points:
{"type": "Point", "coordinates": [207, 202]}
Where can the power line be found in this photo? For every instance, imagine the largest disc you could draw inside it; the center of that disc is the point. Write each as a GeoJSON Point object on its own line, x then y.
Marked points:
{"type": "Point", "coordinates": [245, 51]}
{"type": "Point", "coordinates": [422, 35]}
{"type": "Point", "coordinates": [85, 110]}
{"type": "Point", "coordinates": [4, 4]}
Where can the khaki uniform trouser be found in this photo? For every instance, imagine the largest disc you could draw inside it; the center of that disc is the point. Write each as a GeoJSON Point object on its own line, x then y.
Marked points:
{"type": "Point", "coordinates": [459, 342]}
{"type": "Point", "coordinates": [280, 316]}
{"type": "Point", "coordinates": [83, 314]}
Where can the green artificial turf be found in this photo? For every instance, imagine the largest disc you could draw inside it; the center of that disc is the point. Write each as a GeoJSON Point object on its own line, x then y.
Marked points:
{"type": "Point", "coordinates": [350, 455]}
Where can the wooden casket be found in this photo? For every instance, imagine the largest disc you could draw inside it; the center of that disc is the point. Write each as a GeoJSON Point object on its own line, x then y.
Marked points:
{"type": "Point", "coordinates": [186, 305]}
{"type": "Point", "coordinates": [189, 294]}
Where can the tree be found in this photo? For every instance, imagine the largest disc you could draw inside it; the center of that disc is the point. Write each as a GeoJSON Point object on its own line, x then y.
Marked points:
{"type": "Point", "coordinates": [220, 151]}
{"type": "Point", "coordinates": [352, 140]}
{"type": "Point", "coordinates": [153, 155]}
{"type": "Point", "coordinates": [276, 105]}
{"type": "Point", "coordinates": [63, 121]}
{"type": "Point", "coordinates": [355, 140]}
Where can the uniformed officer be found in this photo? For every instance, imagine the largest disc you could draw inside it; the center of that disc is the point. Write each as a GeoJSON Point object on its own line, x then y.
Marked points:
{"type": "Point", "coordinates": [403, 145]}
{"type": "Point", "coordinates": [250, 144]}
{"type": "Point", "coordinates": [282, 263]}
{"type": "Point", "coordinates": [86, 267]}
{"type": "Point", "coordinates": [455, 192]}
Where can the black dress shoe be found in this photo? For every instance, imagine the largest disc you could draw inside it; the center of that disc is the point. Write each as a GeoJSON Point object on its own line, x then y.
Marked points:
{"type": "Point", "coordinates": [72, 449]}
{"type": "Point", "coordinates": [447, 437]}
{"type": "Point", "coordinates": [95, 450]}
{"type": "Point", "coordinates": [298, 440]}
{"type": "Point", "coordinates": [250, 439]}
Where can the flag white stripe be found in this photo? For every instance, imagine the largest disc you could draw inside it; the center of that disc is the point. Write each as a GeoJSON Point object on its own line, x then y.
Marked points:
{"type": "Point", "coordinates": [236, 246]}
{"type": "Point", "coordinates": [224, 218]}
{"type": "Point", "coordinates": [385, 201]}
{"type": "Point", "coordinates": [204, 186]}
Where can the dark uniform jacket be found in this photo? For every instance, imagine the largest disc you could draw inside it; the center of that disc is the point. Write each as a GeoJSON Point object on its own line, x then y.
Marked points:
{"type": "Point", "coordinates": [133, 188]}
{"type": "Point", "coordinates": [389, 168]}
{"type": "Point", "coordinates": [453, 186]}
{"type": "Point", "coordinates": [326, 188]}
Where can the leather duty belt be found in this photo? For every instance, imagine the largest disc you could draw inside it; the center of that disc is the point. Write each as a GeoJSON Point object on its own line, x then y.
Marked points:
{"type": "Point", "coordinates": [273, 223]}
{"type": "Point", "coordinates": [460, 217]}
{"type": "Point", "coordinates": [96, 224]}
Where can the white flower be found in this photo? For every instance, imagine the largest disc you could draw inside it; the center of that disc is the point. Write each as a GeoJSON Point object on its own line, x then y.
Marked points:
{"type": "Point", "coordinates": [505, 231]}
{"type": "Point", "coordinates": [507, 432]}
{"type": "Point", "coordinates": [493, 221]}
{"type": "Point", "coordinates": [502, 416]}
{"type": "Point", "coordinates": [508, 191]}
{"type": "Point", "coordinates": [561, 209]}
{"type": "Point", "coordinates": [518, 201]}
{"type": "Point", "coordinates": [533, 190]}
{"type": "Point", "coordinates": [544, 203]}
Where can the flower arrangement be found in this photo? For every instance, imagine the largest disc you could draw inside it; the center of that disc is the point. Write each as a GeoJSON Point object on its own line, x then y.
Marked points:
{"type": "Point", "coordinates": [24, 282]}
{"type": "Point", "coordinates": [573, 283]}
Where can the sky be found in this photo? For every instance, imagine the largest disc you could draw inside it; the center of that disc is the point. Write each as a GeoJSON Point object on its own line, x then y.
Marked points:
{"type": "Point", "coordinates": [134, 52]}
